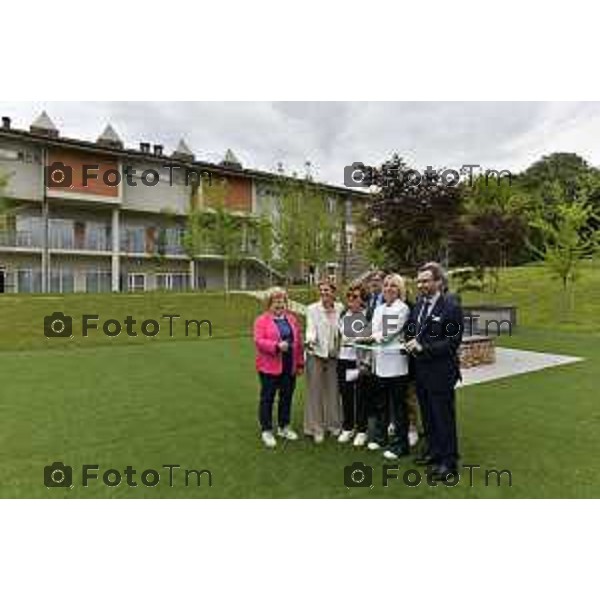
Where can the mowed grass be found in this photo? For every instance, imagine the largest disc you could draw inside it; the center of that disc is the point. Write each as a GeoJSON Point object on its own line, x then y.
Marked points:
{"type": "Point", "coordinates": [193, 402]}
{"type": "Point", "coordinates": [541, 302]}
{"type": "Point", "coordinates": [22, 318]}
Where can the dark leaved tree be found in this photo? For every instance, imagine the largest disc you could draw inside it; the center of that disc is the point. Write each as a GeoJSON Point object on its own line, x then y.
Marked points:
{"type": "Point", "coordinates": [414, 214]}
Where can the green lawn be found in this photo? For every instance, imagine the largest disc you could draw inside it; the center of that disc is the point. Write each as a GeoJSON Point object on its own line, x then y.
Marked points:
{"type": "Point", "coordinates": [541, 303]}
{"type": "Point", "coordinates": [148, 402]}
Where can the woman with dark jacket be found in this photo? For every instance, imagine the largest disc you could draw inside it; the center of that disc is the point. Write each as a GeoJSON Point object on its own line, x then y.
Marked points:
{"type": "Point", "coordinates": [350, 384]}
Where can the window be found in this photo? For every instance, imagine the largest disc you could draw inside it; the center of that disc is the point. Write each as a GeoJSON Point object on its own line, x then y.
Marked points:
{"type": "Point", "coordinates": [98, 281]}
{"type": "Point", "coordinates": [172, 240]}
{"type": "Point", "coordinates": [61, 280]}
{"type": "Point", "coordinates": [9, 154]}
{"type": "Point", "coordinates": [29, 281]}
{"type": "Point", "coordinates": [133, 239]}
{"type": "Point", "coordinates": [29, 231]}
{"type": "Point", "coordinates": [98, 237]}
{"type": "Point", "coordinates": [61, 234]}
{"type": "Point", "coordinates": [136, 282]}
{"type": "Point", "coordinates": [177, 282]}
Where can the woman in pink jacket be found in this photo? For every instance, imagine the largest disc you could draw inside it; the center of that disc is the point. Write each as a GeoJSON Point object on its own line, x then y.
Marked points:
{"type": "Point", "coordinates": [279, 359]}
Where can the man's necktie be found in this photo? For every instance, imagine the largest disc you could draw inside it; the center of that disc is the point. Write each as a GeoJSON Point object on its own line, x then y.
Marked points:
{"type": "Point", "coordinates": [424, 314]}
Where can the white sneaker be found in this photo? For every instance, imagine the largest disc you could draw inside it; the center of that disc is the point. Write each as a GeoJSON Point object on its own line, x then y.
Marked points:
{"type": "Point", "coordinates": [360, 439]}
{"type": "Point", "coordinates": [413, 436]}
{"type": "Point", "coordinates": [287, 434]}
{"type": "Point", "coordinates": [319, 437]}
{"type": "Point", "coordinates": [373, 446]}
{"type": "Point", "coordinates": [389, 455]}
{"type": "Point", "coordinates": [268, 439]}
{"type": "Point", "coordinates": [345, 436]}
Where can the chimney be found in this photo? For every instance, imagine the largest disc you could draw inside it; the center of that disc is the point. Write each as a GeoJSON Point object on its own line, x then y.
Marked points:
{"type": "Point", "coordinates": [144, 147]}
{"type": "Point", "coordinates": [158, 150]}
{"type": "Point", "coordinates": [5, 122]}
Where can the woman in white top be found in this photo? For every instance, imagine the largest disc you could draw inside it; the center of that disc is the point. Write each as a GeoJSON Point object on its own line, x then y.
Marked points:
{"type": "Point", "coordinates": [391, 369]}
{"type": "Point", "coordinates": [322, 410]}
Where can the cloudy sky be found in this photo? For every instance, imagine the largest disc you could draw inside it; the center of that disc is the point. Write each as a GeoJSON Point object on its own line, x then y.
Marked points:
{"type": "Point", "coordinates": [501, 135]}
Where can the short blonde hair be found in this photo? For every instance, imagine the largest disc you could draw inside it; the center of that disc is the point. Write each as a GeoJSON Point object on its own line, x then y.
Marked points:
{"type": "Point", "coordinates": [328, 282]}
{"type": "Point", "coordinates": [398, 281]}
{"type": "Point", "coordinates": [273, 293]}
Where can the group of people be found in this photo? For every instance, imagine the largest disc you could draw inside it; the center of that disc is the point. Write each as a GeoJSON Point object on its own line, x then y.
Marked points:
{"type": "Point", "coordinates": [373, 365]}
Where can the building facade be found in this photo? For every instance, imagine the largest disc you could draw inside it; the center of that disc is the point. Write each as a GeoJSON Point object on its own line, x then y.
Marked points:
{"type": "Point", "coordinates": [97, 217]}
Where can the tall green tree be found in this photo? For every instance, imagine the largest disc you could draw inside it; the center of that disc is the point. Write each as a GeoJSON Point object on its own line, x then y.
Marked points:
{"type": "Point", "coordinates": [492, 229]}
{"type": "Point", "coordinates": [567, 241]}
{"type": "Point", "coordinates": [215, 229]}
{"type": "Point", "coordinates": [306, 223]}
{"type": "Point", "coordinates": [369, 243]}
{"type": "Point", "coordinates": [565, 169]}
{"type": "Point", "coordinates": [261, 230]}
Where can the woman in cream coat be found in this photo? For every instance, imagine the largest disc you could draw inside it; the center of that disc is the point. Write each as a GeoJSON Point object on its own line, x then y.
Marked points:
{"type": "Point", "coordinates": [322, 411]}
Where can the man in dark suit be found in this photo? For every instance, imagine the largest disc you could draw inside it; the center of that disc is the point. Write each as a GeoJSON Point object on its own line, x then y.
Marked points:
{"type": "Point", "coordinates": [435, 328]}
{"type": "Point", "coordinates": [375, 297]}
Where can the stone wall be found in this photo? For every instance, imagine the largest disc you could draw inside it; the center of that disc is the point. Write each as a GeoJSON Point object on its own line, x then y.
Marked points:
{"type": "Point", "coordinates": [477, 350]}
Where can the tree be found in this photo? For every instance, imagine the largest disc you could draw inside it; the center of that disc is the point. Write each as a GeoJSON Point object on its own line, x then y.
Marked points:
{"type": "Point", "coordinates": [161, 237]}
{"type": "Point", "coordinates": [567, 240]}
{"type": "Point", "coordinates": [492, 229]}
{"type": "Point", "coordinates": [369, 243]}
{"type": "Point", "coordinates": [414, 214]}
{"type": "Point", "coordinates": [560, 168]}
{"type": "Point", "coordinates": [215, 229]}
{"type": "Point", "coordinates": [306, 225]}
{"type": "Point", "coordinates": [259, 240]}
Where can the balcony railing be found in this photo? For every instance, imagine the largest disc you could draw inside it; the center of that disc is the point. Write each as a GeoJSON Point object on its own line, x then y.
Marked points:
{"type": "Point", "coordinates": [131, 245]}
{"type": "Point", "coordinates": [17, 239]}
{"type": "Point", "coordinates": [26, 239]}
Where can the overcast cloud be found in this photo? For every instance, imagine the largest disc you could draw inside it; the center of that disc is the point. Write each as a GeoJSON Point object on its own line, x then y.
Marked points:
{"type": "Point", "coordinates": [501, 135]}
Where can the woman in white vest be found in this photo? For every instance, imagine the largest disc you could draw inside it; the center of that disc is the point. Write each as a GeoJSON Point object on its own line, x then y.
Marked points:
{"type": "Point", "coordinates": [391, 369]}
{"type": "Point", "coordinates": [322, 411]}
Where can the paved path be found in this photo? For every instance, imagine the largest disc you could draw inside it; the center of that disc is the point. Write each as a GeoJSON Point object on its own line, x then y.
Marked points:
{"type": "Point", "coordinates": [511, 362]}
